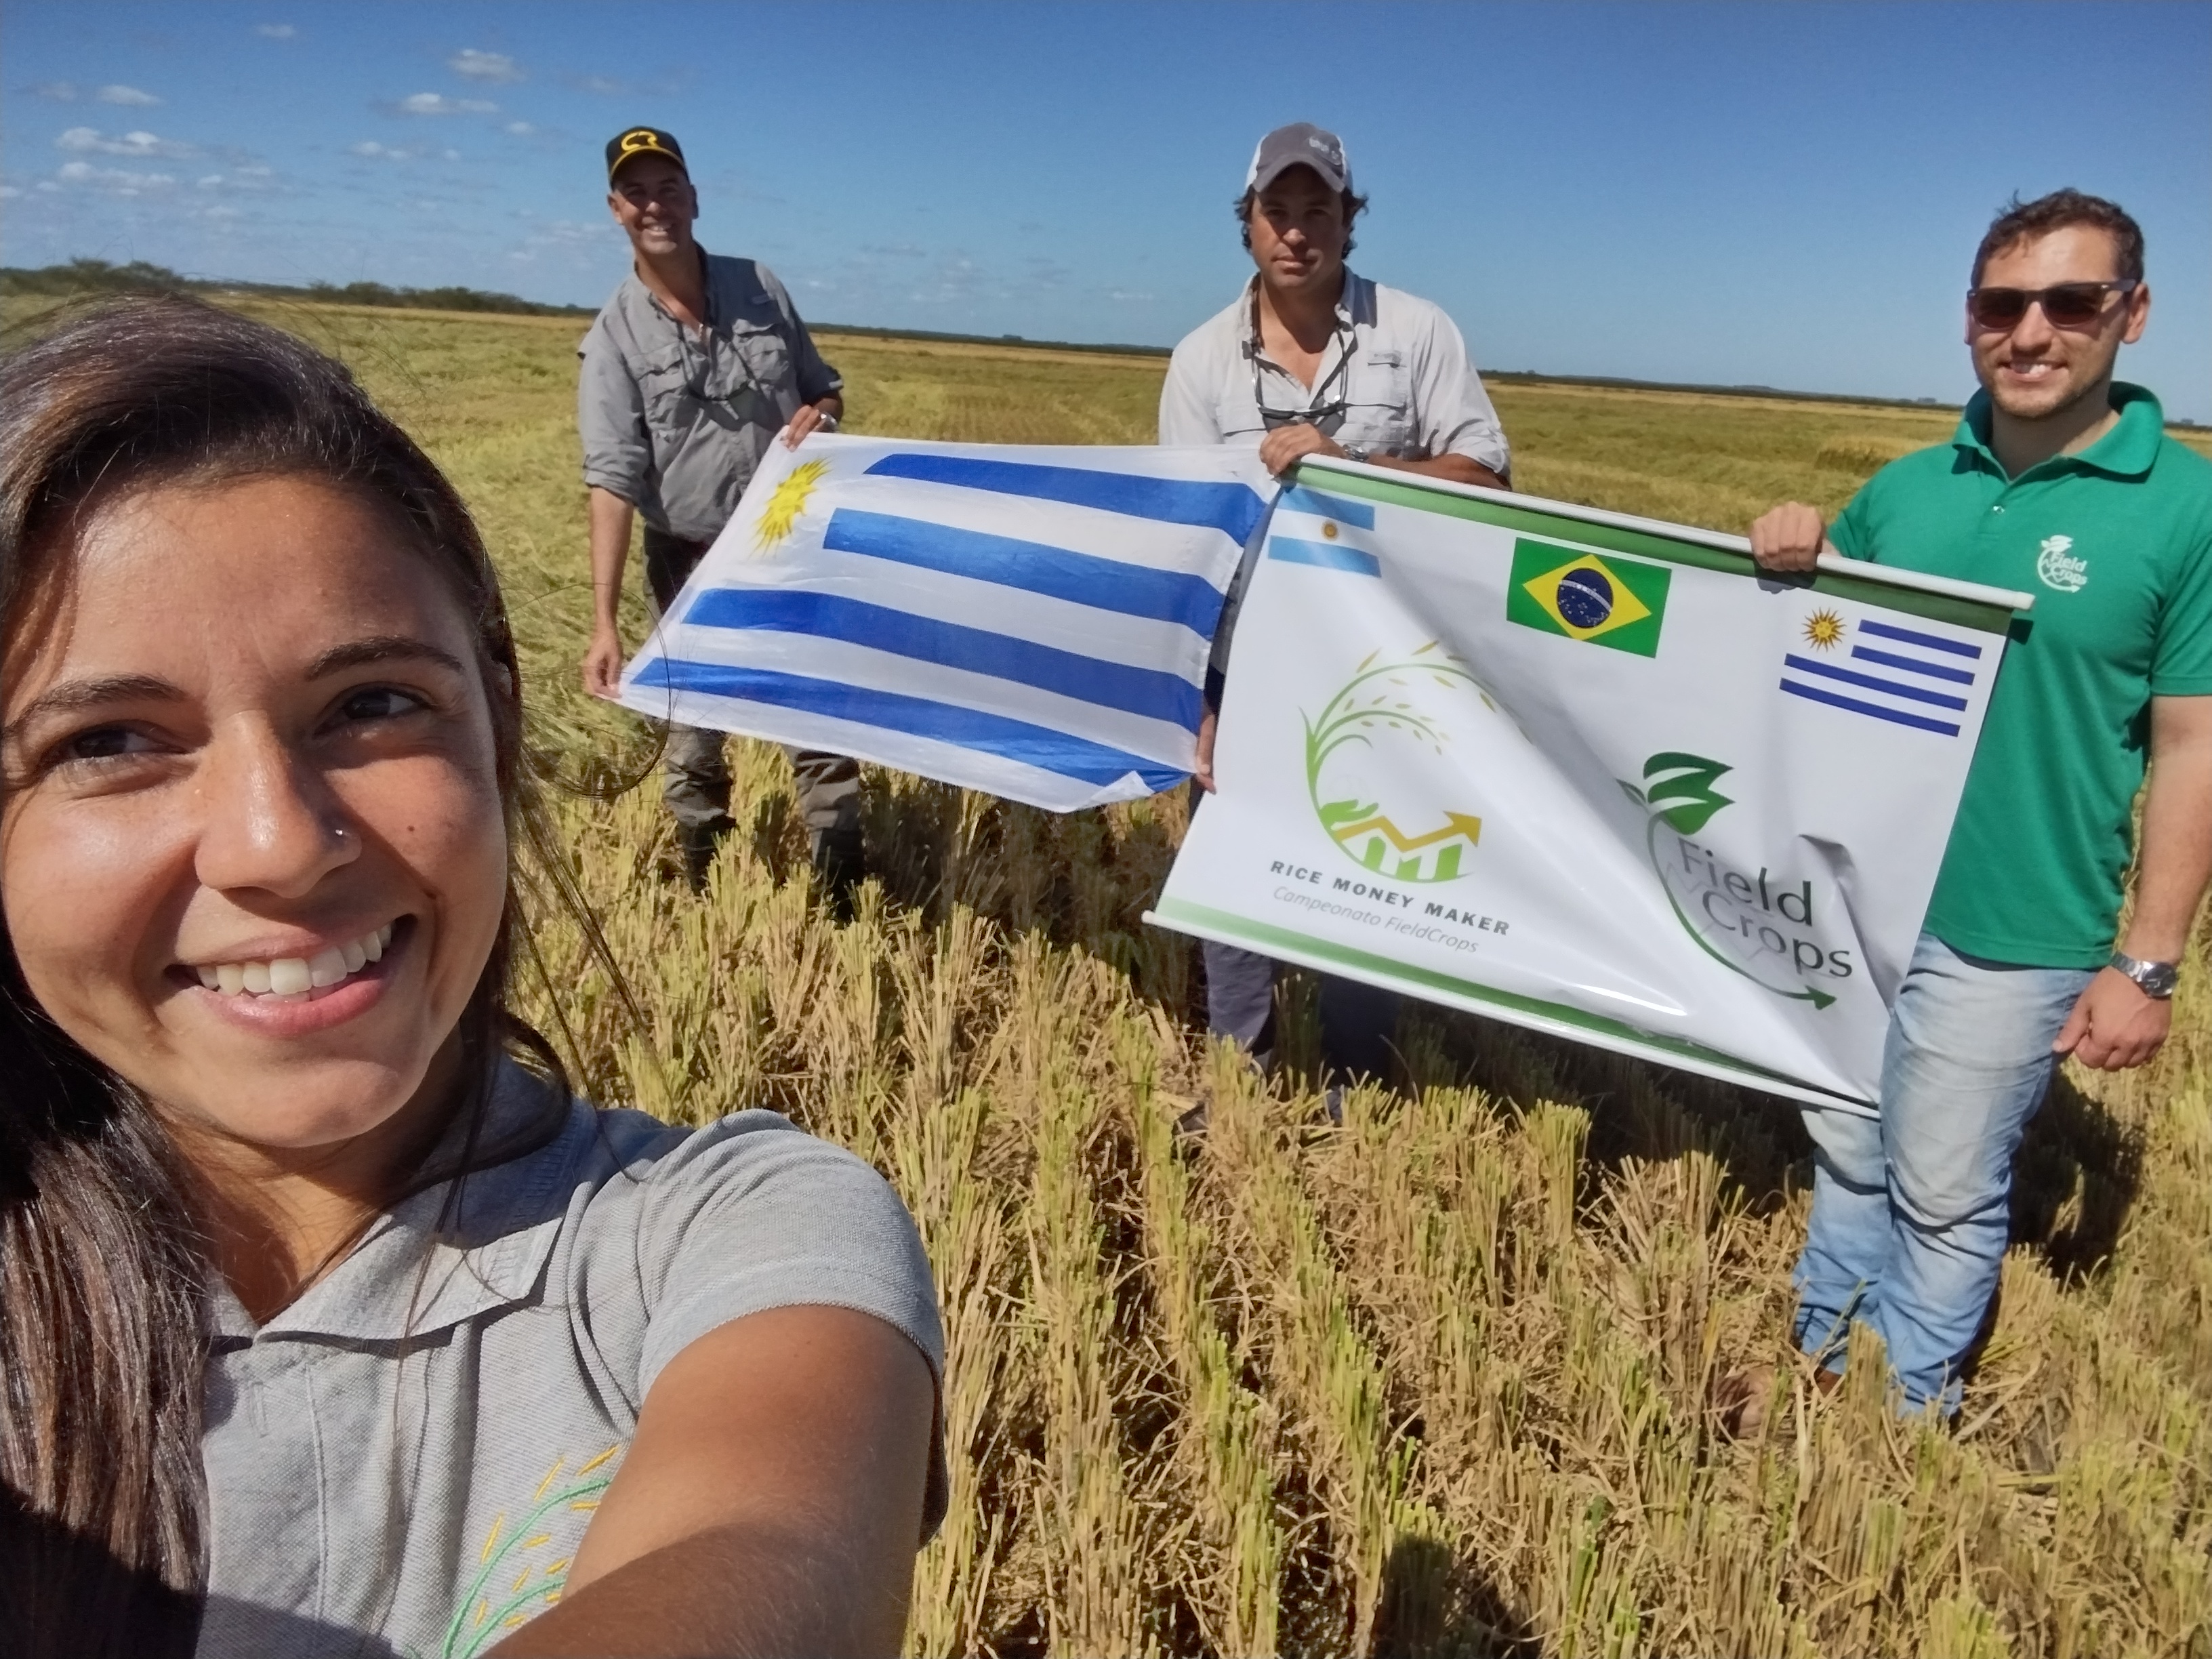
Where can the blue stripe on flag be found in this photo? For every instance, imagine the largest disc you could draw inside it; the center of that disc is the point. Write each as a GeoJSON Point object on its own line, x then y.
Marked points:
{"type": "Point", "coordinates": [1299, 498]}
{"type": "Point", "coordinates": [1934, 670]}
{"type": "Point", "coordinates": [1897, 715]}
{"type": "Point", "coordinates": [1933, 641]}
{"type": "Point", "coordinates": [1874, 682]}
{"type": "Point", "coordinates": [1146, 691]}
{"type": "Point", "coordinates": [1231, 508]}
{"type": "Point", "coordinates": [921, 717]}
{"type": "Point", "coordinates": [1327, 555]}
{"type": "Point", "coordinates": [1134, 590]}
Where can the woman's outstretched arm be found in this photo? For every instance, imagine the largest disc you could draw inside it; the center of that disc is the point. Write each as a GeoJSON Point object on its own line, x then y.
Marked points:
{"type": "Point", "coordinates": [770, 1504]}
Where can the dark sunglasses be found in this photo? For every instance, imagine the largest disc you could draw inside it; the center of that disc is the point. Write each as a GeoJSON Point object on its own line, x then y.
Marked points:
{"type": "Point", "coordinates": [2069, 305]}
{"type": "Point", "coordinates": [1325, 408]}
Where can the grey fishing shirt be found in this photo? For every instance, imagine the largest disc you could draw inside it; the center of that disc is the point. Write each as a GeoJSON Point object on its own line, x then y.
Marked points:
{"type": "Point", "coordinates": [404, 1461]}
{"type": "Point", "coordinates": [1407, 387]}
{"type": "Point", "coordinates": [1410, 390]}
{"type": "Point", "coordinates": [675, 422]}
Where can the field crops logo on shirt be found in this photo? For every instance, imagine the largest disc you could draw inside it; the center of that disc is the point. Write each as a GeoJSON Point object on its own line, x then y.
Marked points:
{"type": "Point", "coordinates": [1365, 751]}
{"type": "Point", "coordinates": [1762, 926]}
{"type": "Point", "coordinates": [1614, 601]}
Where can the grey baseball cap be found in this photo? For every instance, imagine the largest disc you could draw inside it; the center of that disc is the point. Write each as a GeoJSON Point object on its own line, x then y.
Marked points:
{"type": "Point", "coordinates": [1301, 144]}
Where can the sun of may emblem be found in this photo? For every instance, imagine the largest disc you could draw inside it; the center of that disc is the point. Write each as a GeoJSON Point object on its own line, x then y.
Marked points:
{"type": "Point", "coordinates": [1824, 630]}
{"type": "Point", "coordinates": [786, 504]}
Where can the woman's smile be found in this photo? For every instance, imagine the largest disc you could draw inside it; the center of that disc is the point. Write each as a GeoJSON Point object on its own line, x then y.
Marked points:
{"type": "Point", "coordinates": [291, 991]}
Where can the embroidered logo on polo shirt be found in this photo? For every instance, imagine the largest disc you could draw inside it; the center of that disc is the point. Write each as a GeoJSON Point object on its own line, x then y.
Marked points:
{"type": "Point", "coordinates": [2057, 568]}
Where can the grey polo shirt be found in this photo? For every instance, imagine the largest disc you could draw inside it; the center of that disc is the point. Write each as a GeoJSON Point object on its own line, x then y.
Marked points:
{"type": "Point", "coordinates": [404, 1461]}
{"type": "Point", "coordinates": [675, 423]}
{"type": "Point", "coordinates": [1411, 391]}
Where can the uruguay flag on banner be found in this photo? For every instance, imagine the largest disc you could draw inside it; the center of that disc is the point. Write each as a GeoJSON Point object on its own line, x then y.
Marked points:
{"type": "Point", "coordinates": [1030, 622]}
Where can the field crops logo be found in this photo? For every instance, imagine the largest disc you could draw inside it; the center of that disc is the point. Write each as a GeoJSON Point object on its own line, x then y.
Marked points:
{"type": "Point", "coordinates": [1761, 925]}
{"type": "Point", "coordinates": [1614, 601]}
{"type": "Point", "coordinates": [1370, 738]}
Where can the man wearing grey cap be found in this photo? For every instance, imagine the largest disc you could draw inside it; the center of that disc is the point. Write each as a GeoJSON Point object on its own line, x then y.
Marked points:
{"type": "Point", "coordinates": [1314, 360]}
{"type": "Point", "coordinates": [688, 372]}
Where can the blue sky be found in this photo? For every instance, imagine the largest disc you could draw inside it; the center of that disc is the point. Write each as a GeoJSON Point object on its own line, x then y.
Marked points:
{"type": "Point", "coordinates": [1782, 194]}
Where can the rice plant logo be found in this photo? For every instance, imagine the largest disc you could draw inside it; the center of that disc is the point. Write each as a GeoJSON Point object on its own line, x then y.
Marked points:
{"type": "Point", "coordinates": [1365, 747]}
{"type": "Point", "coordinates": [785, 505]}
{"type": "Point", "coordinates": [1761, 925]}
{"type": "Point", "coordinates": [536, 1550]}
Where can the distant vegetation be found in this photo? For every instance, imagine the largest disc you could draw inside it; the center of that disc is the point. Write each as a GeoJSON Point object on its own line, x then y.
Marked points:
{"type": "Point", "coordinates": [100, 277]}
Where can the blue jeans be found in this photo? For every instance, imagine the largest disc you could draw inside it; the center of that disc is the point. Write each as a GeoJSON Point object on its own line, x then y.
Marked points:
{"type": "Point", "coordinates": [1910, 1214]}
{"type": "Point", "coordinates": [1357, 1020]}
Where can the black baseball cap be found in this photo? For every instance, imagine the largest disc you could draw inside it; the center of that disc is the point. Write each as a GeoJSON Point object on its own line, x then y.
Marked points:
{"type": "Point", "coordinates": [1301, 144]}
{"type": "Point", "coordinates": [632, 142]}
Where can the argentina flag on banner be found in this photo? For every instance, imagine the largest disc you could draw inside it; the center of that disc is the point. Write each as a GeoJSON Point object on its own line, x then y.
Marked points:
{"type": "Point", "coordinates": [1031, 622]}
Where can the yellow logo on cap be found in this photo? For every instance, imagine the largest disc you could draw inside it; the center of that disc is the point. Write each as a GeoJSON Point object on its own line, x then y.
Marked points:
{"type": "Point", "coordinates": [643, 138]}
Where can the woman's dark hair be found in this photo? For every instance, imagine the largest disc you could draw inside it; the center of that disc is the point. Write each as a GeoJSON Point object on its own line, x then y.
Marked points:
{"type": "Point", "coordinates": [104, 1264]}
{"type": "Point", "coordinates": [1353, 207]}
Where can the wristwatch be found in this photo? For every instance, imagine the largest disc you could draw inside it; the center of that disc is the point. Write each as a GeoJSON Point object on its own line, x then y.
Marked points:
{"type": "Point", "coordinates": [1355, 451]}
{"type": "Point", "coordinates": [2156, 978]}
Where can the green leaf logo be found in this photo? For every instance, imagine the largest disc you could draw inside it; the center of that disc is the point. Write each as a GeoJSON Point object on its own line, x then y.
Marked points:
{"type": "Point", "coordinates": [1679, 788]}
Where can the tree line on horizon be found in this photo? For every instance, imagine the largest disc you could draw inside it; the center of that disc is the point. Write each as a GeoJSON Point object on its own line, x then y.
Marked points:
{"type": "Point", "coordinates": [141, 276]}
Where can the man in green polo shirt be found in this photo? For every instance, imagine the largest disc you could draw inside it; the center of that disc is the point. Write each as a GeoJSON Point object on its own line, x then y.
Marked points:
{"type": "Point", "coordinates": [2061, 482]}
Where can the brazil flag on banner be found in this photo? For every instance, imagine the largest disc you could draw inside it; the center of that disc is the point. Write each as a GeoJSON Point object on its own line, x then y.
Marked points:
{"type": "Point", "coordinates": [1707, 844]}
{"type": "Point", "coordinates": [1610, 600]}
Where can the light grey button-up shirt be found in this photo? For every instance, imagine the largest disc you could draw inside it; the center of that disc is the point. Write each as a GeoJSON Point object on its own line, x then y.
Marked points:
{"type": "Point", "coordinates": [675, 424]}
{"type": "Point", "coordinates": [1410, 389]}
{"type": "Point", "coordinates": [403, 1462]}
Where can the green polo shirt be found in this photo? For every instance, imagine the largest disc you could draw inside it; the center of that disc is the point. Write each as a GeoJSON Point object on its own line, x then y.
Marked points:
{"type": "Point", "coordinates": [2116, 544]}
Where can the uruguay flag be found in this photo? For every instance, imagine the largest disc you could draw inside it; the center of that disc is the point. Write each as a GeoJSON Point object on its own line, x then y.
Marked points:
{"type": "Point", "coordinates": [1026, 621]}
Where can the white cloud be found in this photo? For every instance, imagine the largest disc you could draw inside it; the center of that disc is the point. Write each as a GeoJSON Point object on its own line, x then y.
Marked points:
{"type": "Point", "coordinates": [453, 155]}
{"type": "Point", "coordinates": [275, 31]}
{"type": "Point", "coordinates": [254, 170]}
{"type": "Point", "coordinates": [483, 65]}
{"type": "Point", "coordinates": [520, 129]}
{"type": "Point", "coordinates": [9, 192]}
{"type": "Point", "coordinates": [114, 181]}
{"type": "Point", "coordinates": [210, 181]}
{"type": "Point", "coordinates": [371, 148]}
{"type": "Point", "coordinates": [603, 85]}
{"type": "Point", "coordinates": [87, 140]}
{"type": "Point", "coordinates": [59, 92]}
{"type": "Point", "coordinates": [436, 103]}
{"type": "Point", "coordinates": [129, 96]}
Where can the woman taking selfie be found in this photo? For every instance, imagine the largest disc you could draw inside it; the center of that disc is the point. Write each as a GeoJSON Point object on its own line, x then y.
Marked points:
{"type": "Point", "coordinates": [330, 1322]}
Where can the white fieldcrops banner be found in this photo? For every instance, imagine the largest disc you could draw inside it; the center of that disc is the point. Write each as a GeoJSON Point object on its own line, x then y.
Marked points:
{"type": "Point", "coordinates": [1589, 773]}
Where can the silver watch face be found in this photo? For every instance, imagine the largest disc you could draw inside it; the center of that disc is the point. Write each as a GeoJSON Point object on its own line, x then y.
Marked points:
{"type": "Point", "coordinates": [2157, 979]}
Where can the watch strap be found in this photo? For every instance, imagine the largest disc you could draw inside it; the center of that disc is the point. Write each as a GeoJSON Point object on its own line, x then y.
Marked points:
{"type": "Point", "coordinates": [2155, 979]}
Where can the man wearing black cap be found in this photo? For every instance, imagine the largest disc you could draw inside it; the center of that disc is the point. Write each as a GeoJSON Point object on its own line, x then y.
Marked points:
{"type": "Point", "coordinates": [1312, 360]}
{"type": "Point", "coordinates": [690, 372]}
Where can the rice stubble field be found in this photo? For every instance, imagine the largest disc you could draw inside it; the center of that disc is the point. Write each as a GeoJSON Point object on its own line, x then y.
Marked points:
{"type": "Point", "coordinates": [1433, 1381]}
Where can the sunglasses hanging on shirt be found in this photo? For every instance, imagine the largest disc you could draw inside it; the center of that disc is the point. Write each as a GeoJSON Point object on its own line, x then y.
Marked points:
{"type": "Point", "coordinates": [2068, 305]}
{"type": "Point", "coordinates": [695, 378]}
{"type": "Point", "coordinates": [1326, 408]}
